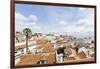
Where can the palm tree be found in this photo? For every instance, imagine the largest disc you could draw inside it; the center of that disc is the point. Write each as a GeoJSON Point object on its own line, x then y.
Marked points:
{"type": "Point", "coordinates": [27, 32]}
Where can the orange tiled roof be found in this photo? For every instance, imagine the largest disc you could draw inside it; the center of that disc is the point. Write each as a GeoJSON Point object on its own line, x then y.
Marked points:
{"type": "Point", "coordinates": [30, 59]}
{"type": "Point", "coordinates": [68, 58]}
{"type": "Point", "coordinates": [47, 46]}
{"type": "Point", "coordinates": [38, 47]}
{"type": "Point", "coordinates": [68, 50]}
{"type": "Point", "coordinates": [21, 46]}
{"type": "Point", "coordinates": [82, 55]}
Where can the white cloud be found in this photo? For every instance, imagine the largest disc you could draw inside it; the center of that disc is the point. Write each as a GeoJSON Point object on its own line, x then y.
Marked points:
{"type": "Point", "coordinates": [87, 24]}
{"type": "Point", "coordinates": [82, 20]}
{"type": "Point", "coordinates": [19, 17]}
{"type": "Point", "coordinates": [33, 18]}
{"type": "Point", "coordinates": [62, 23]}
{"type": "Point", "coordinates": [22, 21]}
{"type": "Point", "coordinates": [72, 29]}
{"type": "Point", "coordinates": [82, 9]}
{"type": "Point", "coordinates": [83, 25]}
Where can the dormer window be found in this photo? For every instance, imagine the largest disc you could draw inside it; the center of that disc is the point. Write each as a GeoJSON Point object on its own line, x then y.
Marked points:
{"type": "Point", "coordinates": [41, 62]}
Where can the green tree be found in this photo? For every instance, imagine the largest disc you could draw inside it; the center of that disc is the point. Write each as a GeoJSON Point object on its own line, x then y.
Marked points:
{"type": "Point", "coordinates": [27, 32]}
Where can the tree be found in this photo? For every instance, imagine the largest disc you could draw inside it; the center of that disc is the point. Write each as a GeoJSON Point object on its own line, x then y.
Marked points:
{"type": "Point", "coordinates": [60, 50]}
{"type": "Point", "coordinates": [27, 32]}
{"type": "Point", "coordinates": [36, 34]}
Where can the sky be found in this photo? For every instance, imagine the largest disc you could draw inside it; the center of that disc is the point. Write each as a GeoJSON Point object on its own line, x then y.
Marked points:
{"type": "Point", "coordinates": [44, 19]}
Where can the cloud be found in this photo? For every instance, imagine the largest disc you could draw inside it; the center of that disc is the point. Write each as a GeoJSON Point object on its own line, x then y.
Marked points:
{"type": "Point", "coordinates": [22, 21]}
{"type": "Point", "coordinates": [33, 18]}
{"type": "Point", "coordinates": [57, 19]}
{"type": "Point", "coordinates": [82, 9]}
{"type": "Point", "coordinates": [84, 25]}
{"type": "Point", "coordinates": [87, 23]}
{"type": "Point", "coordinates": [62, 23]}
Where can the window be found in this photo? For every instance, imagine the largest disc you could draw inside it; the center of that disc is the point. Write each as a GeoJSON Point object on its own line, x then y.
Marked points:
{"type": "Point", "coordinates": [41, 62]}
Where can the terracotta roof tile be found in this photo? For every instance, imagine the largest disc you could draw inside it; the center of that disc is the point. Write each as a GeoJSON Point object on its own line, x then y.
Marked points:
{"type": "Point", "coordinates": [33, 59]}
{"type": "Point", "coordinates": [82, 55]}
{"type": "Point", "coordinates": [21, 46]}
{"type": "Point", "coordinates": [68, 58]}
